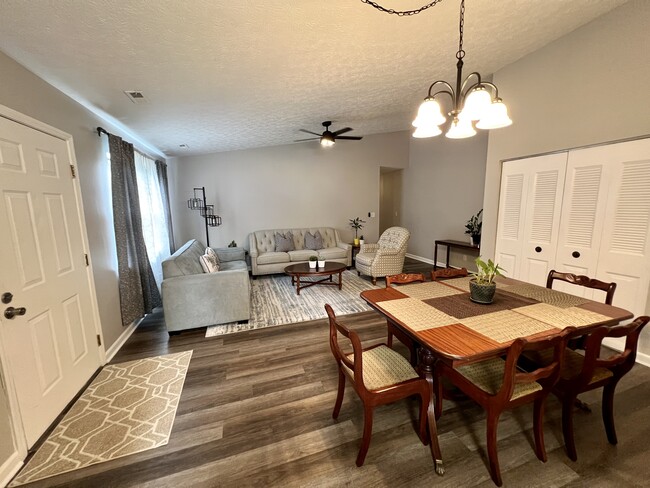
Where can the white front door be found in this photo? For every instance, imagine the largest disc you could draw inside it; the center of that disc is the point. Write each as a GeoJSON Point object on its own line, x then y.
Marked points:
{"type": "Point", "coordinates": [50, 338]}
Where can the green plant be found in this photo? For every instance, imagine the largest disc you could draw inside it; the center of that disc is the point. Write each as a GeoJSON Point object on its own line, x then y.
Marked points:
{"type": "Point", "coordinates": [232, 244]}
{"type": "Point", "coordinates": [357, 224]}
{"type": "Point", "coordinates": [474, 225]}
{"type": "Point", "coordinates": [313, 258]}
{"type": "Point", "coordinates": [486, 271]}
{"type": "Point", "coordinates": [361, 237]}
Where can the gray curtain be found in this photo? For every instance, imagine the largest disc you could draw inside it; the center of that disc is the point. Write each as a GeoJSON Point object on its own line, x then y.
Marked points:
{"type": "Point", "coordinates": [161, 170]}
{"type": "Point", "coordinates": [139, 294]}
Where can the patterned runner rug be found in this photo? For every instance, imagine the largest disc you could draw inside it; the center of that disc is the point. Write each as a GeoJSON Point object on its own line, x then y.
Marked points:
{"type": "Point", "coordinates": [128, 408]}
{"type": "Point", "coordinates": [274, 302]}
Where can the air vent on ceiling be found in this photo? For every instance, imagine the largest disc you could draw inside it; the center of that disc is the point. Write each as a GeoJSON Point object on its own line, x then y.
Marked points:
{"type": "Point", "coordinates": [136, 96]}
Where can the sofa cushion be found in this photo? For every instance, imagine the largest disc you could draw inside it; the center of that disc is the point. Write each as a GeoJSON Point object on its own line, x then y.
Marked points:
{"type": "Point", "coordinates": [284, 242]}
{"type": "Point", "coordinates": [226, 254]}
{"type": "Point", "coordinates": [333, 253]}
{"type": "Point", "coordinates": [230, 265]}
{"type": "Point", "coordinates": [273, 257]}
{"type": "Point", "coordinates": [313, 241]}
{"type": "Point", "coordinates": [210, 252]}
{"type": "Point", "coordinates": [185, 261]}
{"type": "Point", "coordinates": [209, 263]}
{"type": "Point", "coordinates": [366, 258]}
{"type": "Point", "coordinates": [301, 255]}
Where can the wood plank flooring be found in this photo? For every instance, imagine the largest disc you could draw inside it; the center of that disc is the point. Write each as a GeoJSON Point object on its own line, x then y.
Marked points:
{"type": "Point", "coordinates": [256, 411]}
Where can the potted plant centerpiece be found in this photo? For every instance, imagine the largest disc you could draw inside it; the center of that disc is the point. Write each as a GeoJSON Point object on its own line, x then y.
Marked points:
{"type": "Point", "coordinates": [473, 228]}
{"type": "Point", "coordinates": [357, 224]}
{"type": "Point", "coordinates": [482, 286]}
{"type": "Point", "coordinates": [321, 262]}
{"type": "Point", "coordinates": [313, 261]}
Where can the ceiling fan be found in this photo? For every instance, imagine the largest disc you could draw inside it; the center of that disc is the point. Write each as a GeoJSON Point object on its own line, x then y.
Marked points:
{"type": "Point", "coordinates": [327, 138]}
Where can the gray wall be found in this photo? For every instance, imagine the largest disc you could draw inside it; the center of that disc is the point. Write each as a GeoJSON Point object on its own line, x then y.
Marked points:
{"type": "Point", "coordinates": [24, 92]}
{"type": "Point", "coordinates": [296, 185]}
{"type": "Point", "coordinates": [442, 189]}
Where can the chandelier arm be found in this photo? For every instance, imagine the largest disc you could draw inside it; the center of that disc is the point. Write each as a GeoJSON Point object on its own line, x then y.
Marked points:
{"type": "Point", "coordinates": [494, 87]}
{"type": "Point", "coordinates": [450, 90]}
{"type": "Point", "coordinates": [480, 82]}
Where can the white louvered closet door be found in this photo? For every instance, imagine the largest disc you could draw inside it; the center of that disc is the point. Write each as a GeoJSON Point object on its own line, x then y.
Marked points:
{"type": "Point", "coordinates": [529, 216]}
{"type": "Point", "coordinates": [581, 224]}
{"type": "Point", "coordinates": [624, 255]}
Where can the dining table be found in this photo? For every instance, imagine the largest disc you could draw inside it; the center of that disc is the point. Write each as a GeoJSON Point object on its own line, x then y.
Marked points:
{"type": "Point", "coordinates": [448, 326]}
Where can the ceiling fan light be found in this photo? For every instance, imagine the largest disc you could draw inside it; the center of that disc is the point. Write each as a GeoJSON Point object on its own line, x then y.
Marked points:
{"type": "Point", "coordinates": [423, 132]}
{"type": "Point", "coordinates": [460, 129]}
{"type": "Point", "coordinates": [477, 103]}
{"type": "Point", "coordinates": [326, 141]}
{"type": "Point", "coordinates": [495, 117]}
{"type": "Point", "coordinates": [429, 114]}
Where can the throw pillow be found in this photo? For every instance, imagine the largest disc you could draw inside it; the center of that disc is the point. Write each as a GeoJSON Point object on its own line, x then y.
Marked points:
{"type": "Point", "coordinates": [284, 242]}
{"type": "Point", "coordinates": [210, 252]}
{"type": "Point", "coordinates": [313, 242]}
{"type": "Point", "coordinates": [209, 263]}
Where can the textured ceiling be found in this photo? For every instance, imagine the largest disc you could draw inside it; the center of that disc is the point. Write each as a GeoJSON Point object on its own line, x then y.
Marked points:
{"type": "Point", "coordinates": [224, 75]}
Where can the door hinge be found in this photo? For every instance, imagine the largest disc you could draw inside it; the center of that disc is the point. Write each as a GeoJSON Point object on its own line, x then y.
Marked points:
{"type": "Point", "coordinates": [73, 172]}
{"type": "Point", "coordinates": [99, 340]}
{"type": "Point", "coordinates": [87, 262]}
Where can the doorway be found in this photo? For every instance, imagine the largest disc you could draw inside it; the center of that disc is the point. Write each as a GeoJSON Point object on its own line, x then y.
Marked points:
{"type": "Point", "coordinates": [390, 198]}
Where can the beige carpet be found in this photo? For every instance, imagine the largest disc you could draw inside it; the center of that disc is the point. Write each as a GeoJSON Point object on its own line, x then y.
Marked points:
{"type": "Point", "coordinates": [128, 408]}
{"type": "Point", "coordinates": [274, 302]}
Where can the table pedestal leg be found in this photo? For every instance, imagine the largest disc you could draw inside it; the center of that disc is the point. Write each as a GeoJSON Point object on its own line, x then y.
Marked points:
{"type": "Point", "coordinates": [426, 371]}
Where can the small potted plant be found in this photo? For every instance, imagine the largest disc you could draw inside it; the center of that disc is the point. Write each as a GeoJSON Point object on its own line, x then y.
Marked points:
{"type": "Point", "coordinates": [313, 261]}
{"type": "Point", "coordinates": [360, 240]}
{"type": "Point", "coordinates": [232, 244]}
{"type": "Point", "coordinates": [321, 262]}
{"type": "Point", "coordinates": [357, 224]}
{"type": "Point", "coordinates": [473, 228]}
{"type": "Point", "coordinates": [482, 286]}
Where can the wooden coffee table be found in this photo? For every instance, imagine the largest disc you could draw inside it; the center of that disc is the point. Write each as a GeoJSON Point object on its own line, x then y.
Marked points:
{"type": "Point", "coordinates": [300, 270]}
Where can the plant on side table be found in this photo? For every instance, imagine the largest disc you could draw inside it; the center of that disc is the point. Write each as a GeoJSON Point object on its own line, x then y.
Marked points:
{"type": "Point", "coordinates": [357, 224]}
{"type": "Point", "coordinates": [482, 286]}
{"type": "Point", "coordinates": [473, 228]}
{"type": "Point", "coordinates": [313, 261]}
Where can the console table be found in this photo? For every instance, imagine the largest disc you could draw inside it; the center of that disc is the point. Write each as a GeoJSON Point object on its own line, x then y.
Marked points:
{"type": "Point", "coordinates": [451, 244]}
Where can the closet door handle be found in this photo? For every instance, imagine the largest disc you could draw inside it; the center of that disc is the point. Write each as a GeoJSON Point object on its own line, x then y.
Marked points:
{"type": "Point", "coordinates": [538, 249]}
{"type": "Point", "coordinates": [575, 254]}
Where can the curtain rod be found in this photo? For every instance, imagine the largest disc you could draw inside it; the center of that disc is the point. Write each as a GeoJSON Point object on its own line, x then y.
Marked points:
{"type": "Point", "coordinates": [101, 130]}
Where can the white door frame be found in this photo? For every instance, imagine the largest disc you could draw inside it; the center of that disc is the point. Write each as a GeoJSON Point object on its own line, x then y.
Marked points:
{"type": "Point", "coordinates": [14, 411]}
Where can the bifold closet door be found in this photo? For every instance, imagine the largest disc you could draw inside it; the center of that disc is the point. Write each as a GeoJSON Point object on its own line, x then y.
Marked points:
{"type": "Point", "coordinates": [529, 216]}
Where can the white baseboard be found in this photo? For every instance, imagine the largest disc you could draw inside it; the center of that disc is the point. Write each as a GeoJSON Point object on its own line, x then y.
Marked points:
{"type": "Point", "coordinates": [642, 358]}
{"type": "Point", "coordinates": [9, 468]}
{"type": "Point", "coordinates": [117, 345]}
{"type": "Point", "coordinates": [426, 260]}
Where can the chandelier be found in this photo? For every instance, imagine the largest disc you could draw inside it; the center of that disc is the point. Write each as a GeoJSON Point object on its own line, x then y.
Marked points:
{"type": "Point", "coordinates": [473, 101]}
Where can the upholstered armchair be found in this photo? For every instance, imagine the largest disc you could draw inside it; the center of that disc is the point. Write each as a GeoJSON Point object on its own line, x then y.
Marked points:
{"type": "Point", "coordinates": [384, 258]}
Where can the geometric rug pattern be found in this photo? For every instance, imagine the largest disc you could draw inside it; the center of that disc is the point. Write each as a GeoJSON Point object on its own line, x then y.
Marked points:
{"type": "Point", "coordinates": [128, 408]}
{"type": "Point", "coordinates": [274, 302]}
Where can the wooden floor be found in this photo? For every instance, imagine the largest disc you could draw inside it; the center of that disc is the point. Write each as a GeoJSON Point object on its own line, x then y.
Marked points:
{"type": "Point", "coordinates": [256, 411]}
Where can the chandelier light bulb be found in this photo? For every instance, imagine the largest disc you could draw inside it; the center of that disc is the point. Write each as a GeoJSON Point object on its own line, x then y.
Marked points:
{"type": "Point", "coordinates": [424, 132]}
{"type": "Point", "coordinates": [495, 117]}
{"type": "Point", "coordinates": [460, 129]}
{"type": "Point", "coordinates": [429, 114]}
{"type": "Point", "coordinates": [477, 103]}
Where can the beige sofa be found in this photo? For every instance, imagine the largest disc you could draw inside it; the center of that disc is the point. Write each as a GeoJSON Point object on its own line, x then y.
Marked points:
{"type": "Point", "coordinates": [265, 260]}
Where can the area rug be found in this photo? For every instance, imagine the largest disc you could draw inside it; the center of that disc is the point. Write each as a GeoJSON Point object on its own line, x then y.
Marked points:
{"type": "Point", "coordinates": [274, 302]}
{"type": "Point", "coordinates": [128, 408]}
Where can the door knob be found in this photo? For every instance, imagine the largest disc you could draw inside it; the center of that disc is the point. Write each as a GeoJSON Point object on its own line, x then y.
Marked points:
{"type": "Point", "coordinates": [7, 297]}
{"type": "Point", "coordinates": [575, 254]}
{"type": "Point", "coordinates": [11, 312]}
{"type": "Point", "coordinates": [538, 249]}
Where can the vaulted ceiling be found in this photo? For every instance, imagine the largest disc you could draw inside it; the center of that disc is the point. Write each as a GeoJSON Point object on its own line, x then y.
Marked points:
{"type": "Point", "coordinates": [224, 75]}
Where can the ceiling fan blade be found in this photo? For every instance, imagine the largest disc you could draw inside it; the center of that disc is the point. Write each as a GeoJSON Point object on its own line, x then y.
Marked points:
{"type": "Point", "coordinates": [310, 132]}
{"type": "Point", "coordinates": [342, 131]}
{"type": "Point", "coordinates": [309, 139]}
{"type": "Point", "coordinates": [349, 138]}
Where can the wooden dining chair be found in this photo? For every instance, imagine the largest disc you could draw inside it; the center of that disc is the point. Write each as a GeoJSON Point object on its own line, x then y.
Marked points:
{"type": "Point", "coordinates": [581, 280]}
{"type": "Point", "coordinates": [379, 375]}
{"type": "Point", "coordinates": [447, 273]}
{"type": "Point", "coordinates": [401, 279]}
{"type": "Point", "coordinates": [584, 373]}
{"type": "Point", "coordinates": [497, 384]}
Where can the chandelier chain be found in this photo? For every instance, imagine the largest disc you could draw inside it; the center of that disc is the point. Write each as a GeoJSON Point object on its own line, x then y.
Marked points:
{"type": "Point", "coordinates": [461, 54]}
{"type": "Point", "coordinates": [401, 13]}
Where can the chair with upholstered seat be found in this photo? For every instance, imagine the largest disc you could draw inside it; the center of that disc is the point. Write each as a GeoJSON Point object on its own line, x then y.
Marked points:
{"type": "Point", "coordinates": [583, 373]}
{"type": "Point", "coordinates": [581, 280]}
{"type": "Point", "coordinates": [379, 375]}
{"type": "Point", "coordinates": [384, 258]}
{"type": "Point", "coordinates": [448, 273]}
{"type": "Point", "coordinates": [497, 384]}
{"type": "Point", "coordinates": [402, 279]}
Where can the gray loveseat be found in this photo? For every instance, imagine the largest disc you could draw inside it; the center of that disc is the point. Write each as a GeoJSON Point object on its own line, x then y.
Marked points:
{"type": "Point", "coordinates": [192, 298]}
{"type": "Point", "coordinates": [265, 260]}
